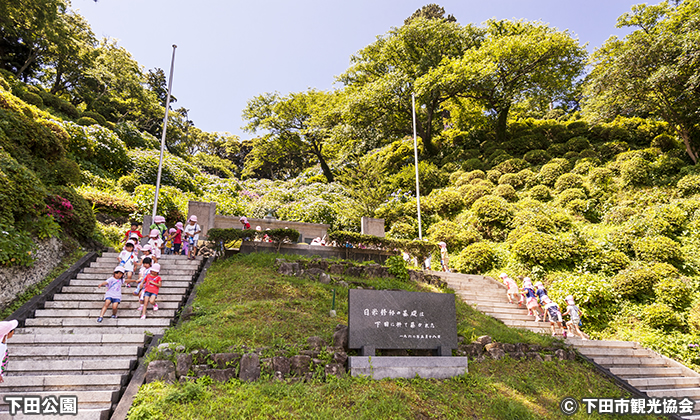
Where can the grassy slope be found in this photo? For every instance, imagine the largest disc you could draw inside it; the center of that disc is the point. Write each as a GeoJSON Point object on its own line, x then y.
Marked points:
{"type": "Point", "coordinates": [243, 301]}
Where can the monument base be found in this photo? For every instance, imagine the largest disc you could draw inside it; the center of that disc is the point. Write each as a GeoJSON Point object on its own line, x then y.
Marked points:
{"type": "Point", "coordinates": [380, 367]}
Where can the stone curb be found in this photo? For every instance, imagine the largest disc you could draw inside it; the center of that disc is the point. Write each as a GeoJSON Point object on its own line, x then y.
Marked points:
{"type": "Point", "coordinates": [27, 310]}
{"type": "Point", "coordinates": [137, 378]}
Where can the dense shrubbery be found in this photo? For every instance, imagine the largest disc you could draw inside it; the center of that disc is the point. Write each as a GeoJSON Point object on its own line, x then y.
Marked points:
{"type": "Point", "coordinates": [537, 248]}
{"type": "Point", "coordinates": [176, 172]}
{"type": "Point", "coordinates": [476, 258]}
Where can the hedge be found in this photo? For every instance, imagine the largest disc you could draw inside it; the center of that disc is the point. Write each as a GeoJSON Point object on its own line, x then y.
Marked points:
{"type": "Point", "coordinates": [221, 237]}
{"type": "Point", "coordinates": [419, 249]}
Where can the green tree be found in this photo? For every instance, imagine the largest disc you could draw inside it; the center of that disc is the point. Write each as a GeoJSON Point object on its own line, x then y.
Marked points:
{"type": "Point", "coordinates": [654, 70]}
{"type": "Point", "coordinates": [430, 11]}
{"type": "Point", "coordinates": [366, 182]}
{"type": "Point", "coordinates": [517, 61]}
{"type": "Point", "coordinates": [381, 79]}
{"type": "Point", "coordinates": [299, 124]}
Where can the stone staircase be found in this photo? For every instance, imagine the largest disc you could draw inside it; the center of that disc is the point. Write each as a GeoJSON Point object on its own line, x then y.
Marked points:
{"type": "Point", "coordinates": [643, 369]}
{"type": "Point", "coordinates": [63, 351]}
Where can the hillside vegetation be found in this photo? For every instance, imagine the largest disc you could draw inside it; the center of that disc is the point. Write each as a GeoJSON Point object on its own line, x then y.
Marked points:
{"type": "Point", "coordinates": [552, 173]}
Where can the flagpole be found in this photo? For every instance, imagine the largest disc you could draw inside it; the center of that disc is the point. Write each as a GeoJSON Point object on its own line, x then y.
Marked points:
{"type": "Point", "coordinates": [415, 151]}
{"type": "Point", "coordinates": [165, 128]}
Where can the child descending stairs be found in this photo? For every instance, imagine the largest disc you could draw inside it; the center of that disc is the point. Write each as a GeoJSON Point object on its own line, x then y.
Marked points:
{"type": "Point", "coordinates": [63, 352]}
{"type": "Point", "coordinates": [643, 369]}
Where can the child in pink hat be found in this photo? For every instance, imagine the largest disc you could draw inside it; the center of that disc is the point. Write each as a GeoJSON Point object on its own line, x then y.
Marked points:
{"type": "Point", "coordinates": [7, 330]}
{"type": "Point", "coordinates": [192, 231]}
{"type": "Point", "coordinates": [156, 243]}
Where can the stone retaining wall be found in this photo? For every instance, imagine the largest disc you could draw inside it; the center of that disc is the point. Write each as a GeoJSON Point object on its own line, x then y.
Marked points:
{"type": "Point", "coordinates": [16, 280]}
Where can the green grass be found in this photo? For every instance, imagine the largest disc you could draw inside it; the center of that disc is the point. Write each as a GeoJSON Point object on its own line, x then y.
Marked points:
{"type": "Point", "coordinates": [34, 290]}
{"type": "Point", "coordinates": [244, 301]}
{"type": "Point", "coordinates": [492, 389]}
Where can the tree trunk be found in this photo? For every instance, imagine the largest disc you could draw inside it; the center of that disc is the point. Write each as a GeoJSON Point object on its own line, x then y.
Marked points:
{"type": "Point", "coordinates": [502, 124]}
{"type": "Point", "coordinates": [685, 135]}
{"type": "Point", "coordinates": [324, 166]}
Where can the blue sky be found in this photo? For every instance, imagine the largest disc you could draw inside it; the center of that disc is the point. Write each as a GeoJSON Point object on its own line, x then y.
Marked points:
{"type": "Point", "coordinates": [230, 51]}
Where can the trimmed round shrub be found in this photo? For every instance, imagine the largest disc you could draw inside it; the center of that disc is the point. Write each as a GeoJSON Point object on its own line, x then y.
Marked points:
{"type": "Point", "coordinates": [473, 164]}
{"type": "Point", "coordinates": [471, 193]}
{"type": "Point", "coordinates": [556, 149]}
{"type": "Point", "coordinates": [134, 138]}
{"type": "Point", "coordinates": [172, 203]}
{"type": "Point", "coordinates": [635, 171]}
{"type": "Point", "coordinates": [658, 249]}
{"type": "Point", "coordinates": [477, 258]}
{"type": "Point", "coordinates": [667, 166]}
{"type": "Point", "coordinates": [176, 171]}
{"type": "Point", "coordinates": [477, 174]}
{"type": "Point", "coordinates": [96, 146]}
{"type": "Point", "coordinates": [500, 159]}
{"type": "Point", "coordinates": [612, 148]}
{"type": "Point", "coordinates": [550, 172]}
{"type": "Point", "coordinates": [567, 181]}
{"type": "Point", "coordinates": [520, 231]}
{"type": "Point", "coordinates": [95, 116]}
{"type": "Point", "coordinates": [59, 104]}
{"type": "Point", "coordinates": [571, 156]}
{"type": "Point", "coordinates": [86, 121]}
{"type": "Point", "coordinates": [664, 142]}
{"type": "Point", "coordinates": [537, 157]}
{"type": "Point", "coordinates": [506, 191]}
{"type": "Point", "coordinates": [445, 202]}
{"type": "Point", "coordinates": [588, 153]}
{"type": "Point", "coordinates": [577, 144]}
{"type": "Point", "coordinates": [455, 176]}
{"type": "Point", "coordinates": [33, 99]}
{"type": "Point", "coordinates": [600, 177]}
{"type": "Point", "coordinates": [492, 210]}
{"type": "Point", "coordinates": [661, 316]}
{"type": "Point", "coordinates": [577, 206]}
{"type": "Point", "coordinates": [455, 236]}
{"type": "Point", "coordinates": [569, 195]}
{"type": "Point", "coordinates": [128, 183]}
{"type": "Point", "coordinates": [689, 185]}
{"type": "Point", "coordinates": [512, 166]}
{"type": "Point", "coordinates": [540, 193]}
{"type": "Point", "coordinates": [583, 167]}
{"type": "Point", "coordinates": [675, 291]}
{"type": "Point", "coordinates": [510, 179]}
{"type": "Point", "coordinates": [608, 262]}
{"type": "Point", "coordinates": [538, 248]}
{"type": "Point", "coordinates": [403, 230]}
{"type": "Point", "coordinates": [639, 282]}
{"type": "Point", "coordinates": [618, 215]}
{"type": "Point", "coordinates": [493, 175]}
{"type": "Point", "coordinates": [528, 177]}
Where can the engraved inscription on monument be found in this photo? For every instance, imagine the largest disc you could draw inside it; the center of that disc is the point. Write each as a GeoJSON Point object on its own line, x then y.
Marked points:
{"type": "Point", "coordinates": [383, 319]}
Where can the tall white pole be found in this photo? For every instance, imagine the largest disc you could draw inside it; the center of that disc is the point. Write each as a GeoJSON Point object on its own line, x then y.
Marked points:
{"type": "Point", "coordinates": [165, 128]}
{"type": "Point", "coordinates": [415, 150]}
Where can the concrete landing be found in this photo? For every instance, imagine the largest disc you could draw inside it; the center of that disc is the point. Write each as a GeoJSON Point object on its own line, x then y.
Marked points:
{"type": "Point", "coordinates": [380, 367]}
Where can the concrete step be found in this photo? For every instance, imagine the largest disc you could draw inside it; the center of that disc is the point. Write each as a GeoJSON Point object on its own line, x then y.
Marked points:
{"type": "Point", "coordinates": [97, 278]}
{"type": "Point", "coordinates": [692, 393]}
{"type": "Point", "coordinates": [514, 317]}
{"type": "Point", "coordinates": [85, 399]}
{"type": "Point", "coordinates": [644, 372]}
{"type": "Point", "coordinates": [502, 306]}
{"type": "Point", "coordinates": [109, 266]}
{"type": "Point", "coordinates": [38, 383]}
{"type": "Point", "coordinates": [615, 351]}
{"type": "Point", "coordinates": [94, 313]}
{"type": "Point", "coordinates": [79, 351]}
{"type": "Point", "coordinates": [629, 361]}
{"type": "Point", "coordinates": [74, 366]}
{"type": "Point", "coordinates": [170, 258]}
{"type": "Point", "coordinates": [93, 339]}
{"type": "Point", "coordinates": [479, 298]}
{"type": "Point", "coordinates": [99, 297]}
{"type": "Point", "coordinates": [579, 343]}
{"type": "Point", "coordinates": [665, 382]}
{"type": "Point", "coordinates": [95, 283]}
{"type": "Point", "coordinates": [164, 272]}
{"type": "Point", "coordinates": [94, 328]}
{"type": "Point", "coordinates": [146, 324]}
{"type": "Point", "coordinates": [164, 290]}
{"type": "Point", "coordinates": [124, 305]}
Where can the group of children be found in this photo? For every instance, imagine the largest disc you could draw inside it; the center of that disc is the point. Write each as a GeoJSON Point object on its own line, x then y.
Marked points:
{"type": "Point", "coordinates": [160, 240]}
{"type": "Point", "coordinates": [535, 298]}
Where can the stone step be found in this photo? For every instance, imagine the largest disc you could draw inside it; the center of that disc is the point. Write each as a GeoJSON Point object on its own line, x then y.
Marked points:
{"type": "Point", "coordinates": [19, 352]}
{"type": "Point", "coordinates": [124, 305]}
{"type": "Point", "coordinates": [629, 361]}
{"type": "Point", "coordinates": [644, 372]}
{"type": "Point", "coordinates": [526, 324]}
{"type": "Point", "coordinates": [85, 399]}
{"type": "Point", "coordinates": [93, 328]}
{"type": "Point", "coordinates": [664, 383]}
{"type": "Point", "coordinates": [477, 285]}
{"type": "Point", "coordinates": [498, 307]}
{"type": "Point", "coordinates": [171, 258]}
{"type": "Point", "coordinates": [511, 316]}
{"type": "Point", "coordinates": [164, 290]}
{"type": "Point", "coordinates": [95, 283]}
{"type": "Point", "coordinates": [479, 298]}
{"type": "Point", "coordinates": [616, 351]}
{"type": "Point", "coordinates": [111, 365]}
{"type": "Point", "coordinates": [579, 343]}
{"type": "Point", "coordinates": [164, 272]}
{"type": "Point", "coordinates": [94, 313]}
{"type": "Point", "coordinates": [38, 383]}
{"type": "Point", "coordinates": [126, 297]}
{"type": "Point", "coordinates": [690, 392]}
{"type": "Point", "coordinates": [109, 266]}
{"type": "Point", "coordinates": [94, 339]}
{"type": "Point", "coordinates": [97, 278]}
{"type": "Point", "coordinates": [146, 324]}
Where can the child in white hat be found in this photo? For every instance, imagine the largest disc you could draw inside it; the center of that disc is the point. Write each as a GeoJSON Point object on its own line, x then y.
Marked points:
{"type": "Point", "coordinates": [7, 330]}
{"type": "Point", "coordinates": [575, 313]}
{"type": "Point", "coordinates": [114, 292]}
{"type": "Point", "coordinates": [192, 231]}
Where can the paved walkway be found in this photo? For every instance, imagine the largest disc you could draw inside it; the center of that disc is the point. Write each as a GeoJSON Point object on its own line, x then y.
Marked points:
{"type": "Point", "coordinates": [645, 370]}
{"type": "Point", "coordinates": [64, 352]}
